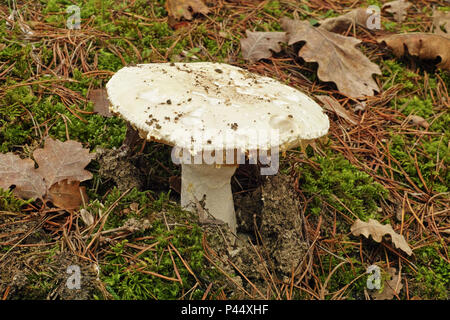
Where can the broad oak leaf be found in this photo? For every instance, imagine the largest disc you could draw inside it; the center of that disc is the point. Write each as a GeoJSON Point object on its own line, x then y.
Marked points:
{"type": "Point", "coordinates": [378, 231]}
{"type": "Point", "coordinates": [22, 174]}
{"type": "Point", "coordinates": [398, 8]}
{"type": "Point", "coordinates": [427, 46]}
{"type": "Point", "coordinates": [181, 8]}
{"type": "Point", "coordinates": [338, 58]}
{"type": "Point", "coordinates": [59, 160]}
{"type": "Point", "coordinates": [58, 177]}
{"type": "Point", "coordinates": [259, 45]}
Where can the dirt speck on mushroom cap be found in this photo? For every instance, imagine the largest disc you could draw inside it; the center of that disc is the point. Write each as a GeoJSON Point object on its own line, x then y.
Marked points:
{"type": "Point", "coordinates": [209, 101]}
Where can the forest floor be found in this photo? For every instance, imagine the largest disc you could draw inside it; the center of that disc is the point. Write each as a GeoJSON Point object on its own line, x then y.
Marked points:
{"type": "Point", "coordinates": [385, 158]}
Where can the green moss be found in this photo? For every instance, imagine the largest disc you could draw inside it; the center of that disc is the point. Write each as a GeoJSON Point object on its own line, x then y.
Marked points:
{"type": "Point", "coordinates": [124, 282]}
{"type": "Point", "coordinates": [8, 202]}
{"type": "Point", "coordinates": [338, 178]}
{"type": "Point", "coordinates": [396, 73]}
{"type": "Point", "coordinates": [344, 275]}
{"type": "Point", "coordinates": [401, 148]}
{"type": "Point", "coordinates": [433, 276]}
{"type": "Point", "coordinates": [273, 8]}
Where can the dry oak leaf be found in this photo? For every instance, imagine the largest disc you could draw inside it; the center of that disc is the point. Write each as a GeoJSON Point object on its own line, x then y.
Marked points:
{"type": "Point", "coordinates": [67, 195]}
{"type": "Point", "coordinates": [361, 17]}
{"type": "Point", "coordinates": [426, 46]}
{"type": "Point", "coordinates": [338, 58]}
{"type": "Point", "coordinates": [22, 174]}
{"type": "Point", "coordinates": [259, 45]}
{"type": "Point", "coordinates": [398, 8]}
{"type": "Point", "coordinates": [391, 286]}
{"type": "Point", "coordinates": [441, 23]}
{"type": "Point", "coordinates": [182, 8]}
{"type": "Point", "coordinates": [59, 160]}
{"type": "Point", "coordinates": [378, 231]}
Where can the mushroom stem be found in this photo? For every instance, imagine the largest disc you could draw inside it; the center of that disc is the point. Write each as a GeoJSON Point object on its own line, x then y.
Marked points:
{"type": "Point", "coordinates": [211, 184]}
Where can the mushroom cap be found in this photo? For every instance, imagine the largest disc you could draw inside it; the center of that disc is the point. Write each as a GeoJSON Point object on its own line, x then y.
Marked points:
{"type": "Point", "coordinates": [205, 106]}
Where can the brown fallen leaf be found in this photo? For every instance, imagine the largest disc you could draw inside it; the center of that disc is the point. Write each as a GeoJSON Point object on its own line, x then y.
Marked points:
{"type": "Point", "coordinates": [338, 58]}
{"type": "Point", "coordinates": [341, 23]}
{"type": "Point", "coordinates": [22, 174]}
{"type": "Point", "coordinates": [182, 8]}
{"type": "Point", "coordinates": [59, 160]}
{"type": "Point", "coordinates": [67, 195]}
{"type": "Point", "coordinates": [99, 98]}
{"type": "Point", "coordinates": [333, 105]}
{"type": "Point", "coordinates": [259, 45]}
{"type": "Point", "coordinates": [441, 23]}
{"type": "Point", "coordinates": [426, 46]}
{"type": "Point", "coordinates": [378, 231]}
{"type": "Point", "coordinates": [391, 286]}
{"type": "Point", "coordinates": [398, 8]}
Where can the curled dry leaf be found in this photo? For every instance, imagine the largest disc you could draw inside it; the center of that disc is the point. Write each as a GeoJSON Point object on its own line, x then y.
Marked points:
{"type": "Point", "coordinates": [398, 8]}
{"type": "Point", "coordinates": [426, 46]}
{"type": "Point", "coordinates": [333, 105]}
{"type": "Point", "coordinates": [259, 45]}
{"type": "Point", "coordinates": [441, 23]}
{"type": "Point", "coordinates": [378, 231]}
{"type": "Point", "coordinates": [360, 16]}
{"type": "Point", "coordinates": [391, 286]}
{"type": "Point", "coordinates": [182, 8]}
{"type": "Point", "coordinates": [338, 58]}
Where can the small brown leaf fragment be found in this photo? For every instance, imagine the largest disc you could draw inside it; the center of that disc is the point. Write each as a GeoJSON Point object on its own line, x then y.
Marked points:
{"type": "Point", "coordinates": [341, 23]}
{"type": "Point", "coordinates": [398, 8]}
{"type": "Point", "coordinates": [22, 174]}
{"type": "Point", "coordinates": [338, 58]}
{"type": "Point", "coordinates": [378, 231]}
{"type": "Point", "coordinates": [63, 160]}
{"type": "Point", "coordinates": [441, 23]}
{"type": "Point", "coordinates": [67, 195]}
{"type": "Point", "coordinates": [391, 287]}
{"type": "Point", "coordinates": [87, 217]}
{"type": "Point", "coordinates": [426, 46]}
{"type": "Point", "coordinates": [418, 120]}
{"type": "Point", "coordinates": [182, 8]}
{"type": "Point", "coordinates": [259, 45]}
{"type": "Point", "coordinates": [99, 98]}
{"type": "Point", "coordinates": [333, 105]}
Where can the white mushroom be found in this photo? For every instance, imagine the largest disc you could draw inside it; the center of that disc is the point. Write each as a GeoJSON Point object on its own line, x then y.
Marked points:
{"type": "Point", "coordinates": [215, 115]}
